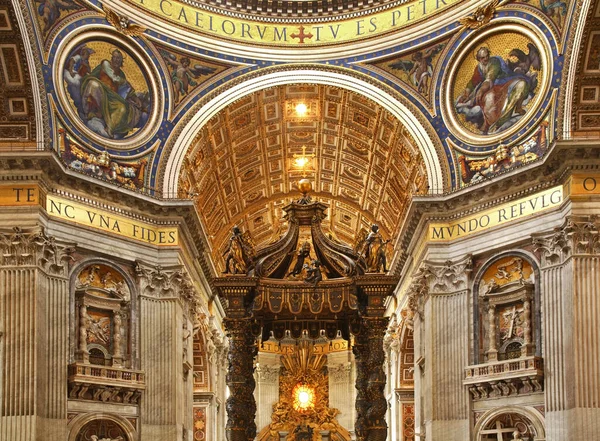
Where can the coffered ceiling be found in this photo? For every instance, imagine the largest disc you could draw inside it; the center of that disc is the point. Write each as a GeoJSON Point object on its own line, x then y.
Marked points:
{"type": "Point", "coordinates": [240, 168]}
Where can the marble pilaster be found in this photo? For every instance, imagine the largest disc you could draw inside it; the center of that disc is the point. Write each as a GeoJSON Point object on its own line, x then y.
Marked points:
{"type": "Point", "coordinates": [439, 299]}
{"type": "Point", "coordinates": [570, 282]}
{"type": "Point", "coordinates": [34, 301]}
{"type": "Point", "coordinates": [166, 295]}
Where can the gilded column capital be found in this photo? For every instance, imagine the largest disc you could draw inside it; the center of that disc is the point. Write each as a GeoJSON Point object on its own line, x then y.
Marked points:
{"type": "Point", "coordinates": [579, 235]}
{"type": "Point", "coordinates": [21, 247]}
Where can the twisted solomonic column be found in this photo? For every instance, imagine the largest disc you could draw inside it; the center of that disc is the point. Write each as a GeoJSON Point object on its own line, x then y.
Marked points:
{"type": "Point", "coordinates": [241, 405]}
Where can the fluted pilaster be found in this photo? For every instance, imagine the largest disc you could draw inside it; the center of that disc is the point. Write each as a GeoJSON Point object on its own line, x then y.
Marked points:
{"type": "Point", "coordinates": [439, 298]}
{"type": "Point", "coordinates": [166, 298]}
{"type": "Point", "coordinates": [267, 392]}
{"type": "Point", "coordinates": [34, 335]}
{"type": "Point", "coordinates": [570, 286]}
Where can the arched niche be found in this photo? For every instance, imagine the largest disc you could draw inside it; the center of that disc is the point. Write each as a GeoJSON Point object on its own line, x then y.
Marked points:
{"type": "Point", "coordinates": [104, 426]}
{"type": "Point", "coordinates": [102, 315]}
{"type": "Point", "coordinates": [502, 423]}
{"type": "Point", "coordinates": [507, 315]}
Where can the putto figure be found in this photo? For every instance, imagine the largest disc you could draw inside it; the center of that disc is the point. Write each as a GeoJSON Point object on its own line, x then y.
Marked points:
{"type": "Point", "coordinates": [313, 273]}
{"type": "Point", "coordinates": [495, 97]}
{"type": "Point", "coordinates": [301, 256]}
{"type": "Point", "coordinates": [238, 255]}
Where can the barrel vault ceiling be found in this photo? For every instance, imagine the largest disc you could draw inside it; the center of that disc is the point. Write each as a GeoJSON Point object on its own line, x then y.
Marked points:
{"type": "Point", "coordinates": [241, 170]}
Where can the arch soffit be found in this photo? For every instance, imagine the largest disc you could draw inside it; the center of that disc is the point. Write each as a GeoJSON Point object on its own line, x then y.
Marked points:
{"type": "Point", "coordinates": [412, 119]}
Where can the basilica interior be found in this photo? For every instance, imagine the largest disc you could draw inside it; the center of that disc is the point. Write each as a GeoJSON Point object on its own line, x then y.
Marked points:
{"type": "Point", "coordinates": [299, 220]}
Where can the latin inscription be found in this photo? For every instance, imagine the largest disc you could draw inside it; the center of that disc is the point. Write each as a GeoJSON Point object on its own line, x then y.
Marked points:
{"type": "Point", "coordinates": [498, 216]}
{"type": "Point", "coordinates": [113, 223]}
{"type": "Point", "coordinates": [19, 195]}
{"type": "Point", "coordinates": [334, 346]}
{"type": "Point", "coordinates": [253, 32]}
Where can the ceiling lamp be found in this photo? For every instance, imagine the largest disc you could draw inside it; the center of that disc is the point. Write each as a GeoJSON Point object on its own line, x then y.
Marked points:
{"type": "Point", "coordinates": [301, 109]}
{"type": "Point", "coordinates": [303, 162]}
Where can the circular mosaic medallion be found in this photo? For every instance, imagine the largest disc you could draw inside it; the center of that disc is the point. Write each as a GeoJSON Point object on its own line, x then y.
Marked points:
{"type": "Point", "coordinates": [497, 82]}
{"type": "Point", "coordinates": [105, 87]}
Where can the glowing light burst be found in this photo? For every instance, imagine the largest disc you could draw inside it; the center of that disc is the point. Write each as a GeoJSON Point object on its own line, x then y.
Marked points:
{"type": "Point", "coordinates": [304, 397]}
{"type": "Point", "coordinates": [301, 109]}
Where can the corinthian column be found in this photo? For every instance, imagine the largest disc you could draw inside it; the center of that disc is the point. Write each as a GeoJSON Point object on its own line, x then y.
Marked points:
{"type": "Point", "coordinates": [371, 404]}
{"type": "Point", "coordinates": [361, 357]}
{"type": "Point", "coordinates": [570, 289]}
{"type": "Point", "coordinates": [375, 423]}
{"type": "Point", "coordinates": [239, 291]}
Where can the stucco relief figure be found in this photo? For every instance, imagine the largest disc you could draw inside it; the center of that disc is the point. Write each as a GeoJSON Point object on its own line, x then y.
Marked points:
{"type": "Point", "coordinates": [99, 330]}
{"type": "Point", "coordinates": [238, 255]}
{"type": "Point", "coordinates": [105, 99]}
{"type": "Point", "coordinates": [495, 97]}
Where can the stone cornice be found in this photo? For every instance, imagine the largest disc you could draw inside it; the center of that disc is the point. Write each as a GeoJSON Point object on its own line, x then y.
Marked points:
{"type": "Point", "coordinates": [46, 169]}
{"type": "Point", "coordinates": [565, 158]}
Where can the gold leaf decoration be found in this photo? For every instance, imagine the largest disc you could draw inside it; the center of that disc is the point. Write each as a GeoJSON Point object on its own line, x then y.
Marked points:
{"type": "Point", "coordinates": [480, 17]}
{"type": "Point", "coordinates": [122, 23]}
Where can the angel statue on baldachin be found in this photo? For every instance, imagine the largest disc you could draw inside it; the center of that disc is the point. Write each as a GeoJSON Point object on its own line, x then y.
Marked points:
{"type": "Point", "coordinates": [373, 248]}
